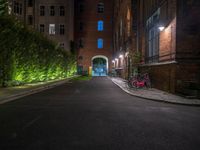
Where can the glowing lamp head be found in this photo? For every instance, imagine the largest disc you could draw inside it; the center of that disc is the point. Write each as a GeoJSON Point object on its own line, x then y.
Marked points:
{"type": "Point", "coordinates": [161, 28]}
{"type": "Point", "coordinates": [121, 56]}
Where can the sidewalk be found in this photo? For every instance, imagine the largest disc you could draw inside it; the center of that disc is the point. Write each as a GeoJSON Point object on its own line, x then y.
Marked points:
{"type": "Point", "coordinates": [12, 93]}
{"type": "Point", "coordinates": [154, 94]}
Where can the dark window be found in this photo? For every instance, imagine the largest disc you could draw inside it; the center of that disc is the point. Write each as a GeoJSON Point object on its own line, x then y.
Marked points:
{"type": "Point", "coordinates": [62, 11]}
{"type": "Point", "coordinates": [20, 9]}
{"type": "Point", "coordinates": [62, 45]}
{"type": "Point", "coordinates": [17, 8]}
{"type": "Point", "coordinates": [80, 57]}
{"type": "Point", "coordinates": [30, 3]}
{"type": "Point", "coordinates": [80, 43]}
{"type": "Point", "coordinates": [100, 8]}
{"type": "Point", "coordinates": [52, 11]}
{"type": "Point", "coordinates": [42, 28]}
{"type": "Point", "coordinates": [62, 29]}
{"type": "Point", "coordinates": [30, 20]}
{"type": "Point", "coordinates": [42, 10]}
{"type": "Point", "coordinates": [81, 26]}
{"type": "Point", "coordinates": [81, 7]}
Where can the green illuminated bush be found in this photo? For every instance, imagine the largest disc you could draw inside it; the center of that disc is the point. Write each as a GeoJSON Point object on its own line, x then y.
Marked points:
{"type": "Point", "coordinates": [26, 56]}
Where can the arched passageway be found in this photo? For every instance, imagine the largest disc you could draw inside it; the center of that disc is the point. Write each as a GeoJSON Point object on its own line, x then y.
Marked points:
{"type": "Point", "coordinates": [99, 66]}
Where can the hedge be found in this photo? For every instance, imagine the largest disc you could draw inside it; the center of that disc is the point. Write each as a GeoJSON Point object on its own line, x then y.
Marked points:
{"type": "Point", "coordinates": [26, 56]}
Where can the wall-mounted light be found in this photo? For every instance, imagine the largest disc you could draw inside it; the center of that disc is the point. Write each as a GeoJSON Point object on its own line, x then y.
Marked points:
{"type": "Point", "coordinates": [116, 59]}
{"type": "Point", "coordinates": [121, 56]}
{"type": "Point", "coordinates": [126, 54]}
{"type": "Point", "coordinates": [113, 61]}
{"type": "Point", "coordinates": [161, 28]}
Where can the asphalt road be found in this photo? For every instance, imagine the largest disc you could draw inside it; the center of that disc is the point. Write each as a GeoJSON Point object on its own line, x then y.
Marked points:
{"type": "Point", "coordinates": [96, 115]}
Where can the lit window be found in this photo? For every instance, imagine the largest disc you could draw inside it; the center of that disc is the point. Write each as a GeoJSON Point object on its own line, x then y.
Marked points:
{"type": "Point", "coordinates": [62, 11]}
{"type": "Point", "coordinates": [52, 11]}
{"type": "Point", "coordinates": [128, 17]}
{"type": "Point", "coordinates": [100, 7]}
{"type": "Point", "coordinates": [42, 10]}
{"type": "Point", "coordinates": [100, 43]}
{"type": "Point", "coordinates": [62, 29]}
{"type": "Point", "coordinates": [100, 26]}
{"type": "Point", "coordinates": [41, 28]}
{"type": "Point", "coordinates": [52, 29]}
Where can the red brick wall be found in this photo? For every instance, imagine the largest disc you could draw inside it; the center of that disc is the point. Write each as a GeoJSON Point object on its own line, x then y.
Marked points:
{"type": "Point", "coordinates": [167, 45]}
{"type": "Point", "coordinates": [162, 76]}
{"type": "Point", "coordinates": [90, 17]}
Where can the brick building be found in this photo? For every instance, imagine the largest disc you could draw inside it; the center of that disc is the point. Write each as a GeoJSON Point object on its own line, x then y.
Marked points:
{"type": "Point", "coordinates": [124, 36]}
{"type": "Point", "coordinates": [54, 18]}
{"type": "Point", "coordinates": [167, 37]}
{"type": "Point", "coordinates": [93, 36]}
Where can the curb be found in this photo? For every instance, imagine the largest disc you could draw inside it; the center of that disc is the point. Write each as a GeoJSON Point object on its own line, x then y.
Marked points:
{"type": "Point", "coordinates": [158, 100]}
{"type": "Point", "coordinates": [33, 91]}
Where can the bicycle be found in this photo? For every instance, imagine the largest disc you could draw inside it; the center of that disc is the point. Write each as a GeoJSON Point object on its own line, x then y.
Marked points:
{"type": "Point", "coordinates": [140, 81]}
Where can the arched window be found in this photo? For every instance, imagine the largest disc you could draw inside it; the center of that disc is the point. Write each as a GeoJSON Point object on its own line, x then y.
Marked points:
{"type": "Point", "coordinates": [100, 43]}
{"type": "Point", "coordinates": [100, 25]}
{"type": "Point", "coordinates": [100, 8]}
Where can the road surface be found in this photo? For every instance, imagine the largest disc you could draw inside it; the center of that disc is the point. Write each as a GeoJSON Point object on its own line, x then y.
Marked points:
{"type": "Point", "coordinates": [96, 115]}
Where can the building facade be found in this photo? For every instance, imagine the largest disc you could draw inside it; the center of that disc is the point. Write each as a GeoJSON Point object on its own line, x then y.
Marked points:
{"type": "Point", "coordinates": [53, 18]}
{"type": "Point", "coordinates": [93, 36]}
{"type": "Point", "coordinates": [124, 36]}
{"type": "Point", "coordinates": [166, 42]}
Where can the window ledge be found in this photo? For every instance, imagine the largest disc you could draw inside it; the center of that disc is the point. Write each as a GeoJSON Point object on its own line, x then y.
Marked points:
{"type": "Point", "coordinates": [160, 63]}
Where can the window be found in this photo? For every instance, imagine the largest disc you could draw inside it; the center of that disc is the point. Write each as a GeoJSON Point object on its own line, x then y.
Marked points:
{"type": "Point", "coordinates": [62, 45]}
{"type": "Point", "coordinates": [100, 43]}
{"type": "Point", "coordinates": [52, 11]}
{"type": "Point", "coordinates": [153, 37]}
{"type": "Point", "coordinates": [30, 3]}
{"type": "Point", "coordinates": [153, 44]}
{"type": "Point", "coordinates": [100, 26]}
{"type": "Point", "coordinates": [30, 20]}
{"type": "Point", "coordinates": [100, 8]}
{"type": "Point", "coordinates": [42, 10]}
{"type": "Point", "coordinates": [80, 43]}
{"type": "Point", "coordinates": [81, 26]}
{"type": "Point", "coordinates": [80, 57]}
{"type": "Point", "coordinates": [128, 17]}
{"type": "Point", "coordinates": [62, 29]}
{"type": "Point", "coordinates": [17, 8]}
{"type": "Point", "coordinates": [41, 28]}
{"type": "Point", "coordinates": [121, 25]}
{"type": "Point", "coordinates": [81, 7]}
{"type": "Point", "coordinates": [52, 29]}
{"type": "Point", "coordinates": [62, 11]}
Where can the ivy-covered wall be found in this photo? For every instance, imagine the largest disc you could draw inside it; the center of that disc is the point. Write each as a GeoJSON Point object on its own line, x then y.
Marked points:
{"type": "Point", "coordinates": [27, 56]}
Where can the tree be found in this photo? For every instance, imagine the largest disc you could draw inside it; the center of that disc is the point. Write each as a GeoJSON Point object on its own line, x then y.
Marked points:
{"type": "Point", "coordinates": [3, 7]}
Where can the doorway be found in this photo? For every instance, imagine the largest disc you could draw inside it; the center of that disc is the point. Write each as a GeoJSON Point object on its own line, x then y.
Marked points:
{"type": "Point", "coordinates": [99, 66]}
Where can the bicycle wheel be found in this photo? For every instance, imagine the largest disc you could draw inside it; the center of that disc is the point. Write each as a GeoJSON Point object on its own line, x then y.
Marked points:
{"type": "Point", "coordinates": [134, 84]}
